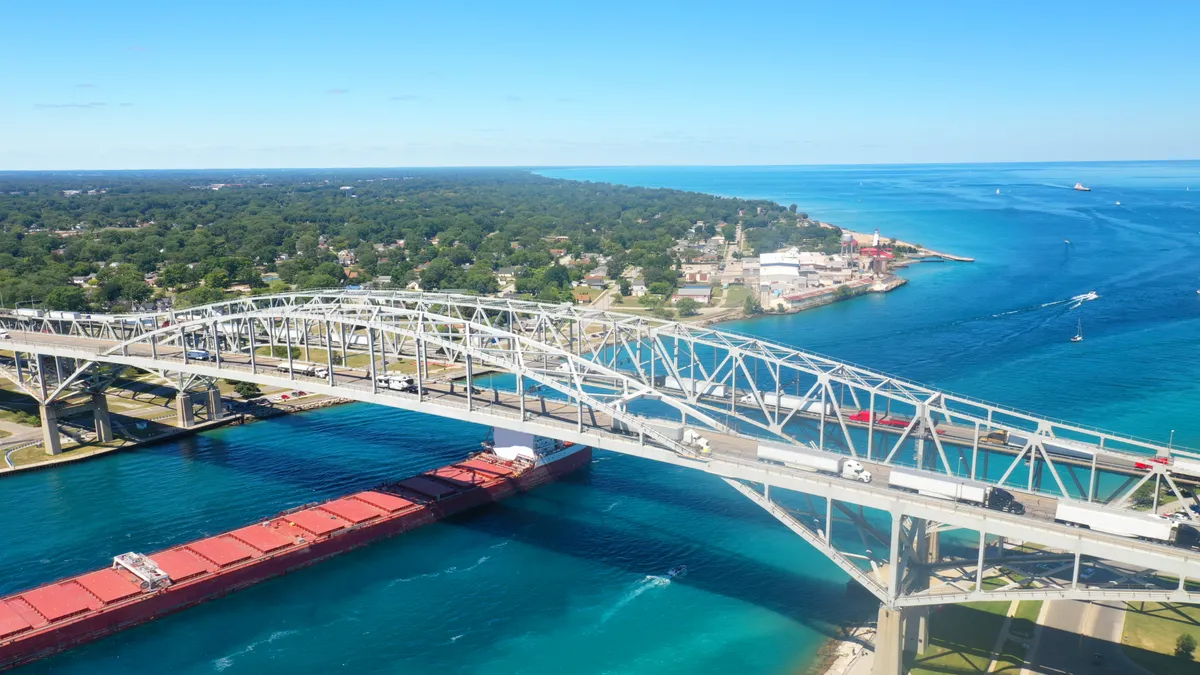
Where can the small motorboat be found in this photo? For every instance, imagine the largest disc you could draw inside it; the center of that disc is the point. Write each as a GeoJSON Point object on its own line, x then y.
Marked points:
{"type": "Point", "coordinates": [1067, 242]}
{"type": "Point", "coordinates": [677, 571]}
{"type": "Point", "coordinates": [1081, 188]}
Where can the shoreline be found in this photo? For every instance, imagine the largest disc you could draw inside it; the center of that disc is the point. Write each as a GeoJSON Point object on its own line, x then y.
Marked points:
{"type": "Point", "coordinates": [851, 654]}
{"type": "Point", "coordinates": [240, 419]}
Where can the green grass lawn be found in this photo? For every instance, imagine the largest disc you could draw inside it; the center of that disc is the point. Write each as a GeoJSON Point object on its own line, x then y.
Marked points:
{"type": "Point", "coordinates": [960, 639]}
{"type": "Point", "coordinates": [1151, 629]}
{"type": "Point", "coordinates": [735, 295]}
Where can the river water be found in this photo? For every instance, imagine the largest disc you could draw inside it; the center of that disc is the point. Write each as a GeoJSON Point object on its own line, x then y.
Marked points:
{"type": "Point", "coordinates": [572, 578]}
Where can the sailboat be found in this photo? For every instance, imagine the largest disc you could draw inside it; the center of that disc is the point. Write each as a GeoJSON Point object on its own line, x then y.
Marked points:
{"type": "Point", "coordinates": [1079, 334]}
{"type": "Point", "coordinates": [997, 190]}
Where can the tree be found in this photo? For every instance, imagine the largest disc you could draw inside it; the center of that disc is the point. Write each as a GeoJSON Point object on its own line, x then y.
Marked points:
{"type": "Point", "coordinates": [316, 281]}
{"type": "Point", "coordinates": [481, 280]}
{"type": "Point", "coordinates": [687, 307]}
{"type": "Point", "coordinates": [841, 293]}
{"type": "Point", "coordinates": [1185, 645]}
{"type": "Point", "coordinates": [216, 279]}
{"type": "Point", "coordinates": [660, 288]}
{"type": "Point", "coordinates": [792, 208]}
{"type": "Point", "coordinates": [559, 276]}
{"type": "Point", "coordinates": [67, 298]}
{"type": "Point", "coordinates": [752, 306]}
{"type": "Point", "coordinates": [626, 287]}
{"type": "Point", "coordinates": [246, 390]}
{"type": "Point", "coordinates": [729, 231]}
{"type": "Point", "coordinates": [441, 273]}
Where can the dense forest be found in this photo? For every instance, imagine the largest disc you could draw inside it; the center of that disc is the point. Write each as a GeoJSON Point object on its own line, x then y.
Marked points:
{"type": "Point", "coordinates": [146, 235]}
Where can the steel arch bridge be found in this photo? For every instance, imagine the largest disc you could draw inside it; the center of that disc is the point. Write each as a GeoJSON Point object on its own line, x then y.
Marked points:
{"type": "Point", "coordinates": [683, 394]}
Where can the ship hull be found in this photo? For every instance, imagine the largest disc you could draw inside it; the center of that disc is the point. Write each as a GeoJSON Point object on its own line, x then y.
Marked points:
{"type": "Point", "coordinates": [33, 644]}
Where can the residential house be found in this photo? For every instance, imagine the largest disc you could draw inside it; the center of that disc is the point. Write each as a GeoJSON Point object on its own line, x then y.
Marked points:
{"type": "Point", "coordinates": [701, 294]}
{"type": "Point", "coordinates": [637, 287]}
{"type": "Point", "coordinates": [507, 275]}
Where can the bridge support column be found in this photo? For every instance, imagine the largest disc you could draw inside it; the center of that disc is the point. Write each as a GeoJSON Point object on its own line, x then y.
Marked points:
{"type": "Point", "coordinates": [889, 642]}
{"type": "Point", "coordinates": [50, 438]}
{"type": "Point", "coordinates": [216, 409]}
{"type": "Point", "coordinates": [101, 417]}
{"type": "Point", "coordinates": [183, 407]}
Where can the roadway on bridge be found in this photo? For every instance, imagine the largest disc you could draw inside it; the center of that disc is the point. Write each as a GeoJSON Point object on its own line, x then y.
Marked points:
{"type": "Point", "coordinates": [731, 455]}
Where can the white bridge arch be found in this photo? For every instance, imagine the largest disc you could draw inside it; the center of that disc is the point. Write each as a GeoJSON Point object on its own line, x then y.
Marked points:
{"type": "Point", "coordinates": [649, 387]}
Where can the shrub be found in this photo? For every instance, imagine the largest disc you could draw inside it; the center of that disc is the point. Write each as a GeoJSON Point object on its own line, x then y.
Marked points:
{"type": "Point", "coordinates": [1185, 645]}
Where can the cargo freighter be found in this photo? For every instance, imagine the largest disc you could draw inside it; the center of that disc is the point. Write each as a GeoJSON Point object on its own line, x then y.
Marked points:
{"type": "Point", "coordinates": [138, 587]}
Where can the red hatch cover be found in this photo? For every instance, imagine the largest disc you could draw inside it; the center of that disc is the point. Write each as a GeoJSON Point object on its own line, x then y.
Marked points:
{"type": "Point", "coordinates": [351, 510]}
{"type": "Point", "coordinates": [108, 585]}
{"type": "Point", "coordinates": [427, 487]}
{"type": "Point", "coordinates": [179, 564]}
{"type": "Point", "coordinates": [221, 550]}
{"type": "Point", "coordinates": [58, 601]}
{"type": "Point", "coordinates": [487, 467]}
{"type": "Point", "coordinates": [10, 621]}
{"type": "Point", "coordinates": [265, 539]}
{"type": "Point", "coordinates": [317, 522]}
{"type": "Point", "coordinates": [389, 503]}
{"type": "Point", "coordinates": [457, 475]}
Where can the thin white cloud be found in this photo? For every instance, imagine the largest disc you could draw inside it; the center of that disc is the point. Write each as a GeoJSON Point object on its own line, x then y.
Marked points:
{"type": "Point", "coordinates": [94, 104]}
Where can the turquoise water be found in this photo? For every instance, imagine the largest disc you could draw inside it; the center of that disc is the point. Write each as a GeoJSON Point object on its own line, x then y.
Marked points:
{"type": "Point", "coordinates": [571, 578]}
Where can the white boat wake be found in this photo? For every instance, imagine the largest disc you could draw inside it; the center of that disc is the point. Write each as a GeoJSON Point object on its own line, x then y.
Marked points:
{"type": "Point", "coordinates": [1080, 299]}
{"type": "Point", "coordinates": [648, 582]}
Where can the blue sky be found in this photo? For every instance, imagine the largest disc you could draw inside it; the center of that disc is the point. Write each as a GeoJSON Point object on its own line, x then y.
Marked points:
{"type": "Point", "coordinates": [301, 84]}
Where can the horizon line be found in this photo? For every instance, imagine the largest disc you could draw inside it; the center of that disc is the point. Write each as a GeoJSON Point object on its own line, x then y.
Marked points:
{"type": "Point", "coordinates": [553, 167]}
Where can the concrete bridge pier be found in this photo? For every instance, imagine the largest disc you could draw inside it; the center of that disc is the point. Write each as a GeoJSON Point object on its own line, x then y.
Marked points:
{"type": "Point", "coordinates": [101, 417]}
{"type": "Point", "coordinates": [51, 440]}
{"type": "Point", "coordinates": [183, 408]}
{"type": "Point", "coordinates": [898, 631]}
{"type": "Point", "coordinates": [216, 409]}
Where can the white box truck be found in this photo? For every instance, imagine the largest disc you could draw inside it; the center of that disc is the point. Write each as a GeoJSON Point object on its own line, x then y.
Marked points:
{"type": "Point", "coordinates": [814, 460]}
{"type": "Point", "coordinates": [1116, 521]}
{"type": "Point", "coordinates": [955, 489]}
{"type": "Point", "coordinates": [301, 368]}
{"type": "Point", "coordinates": [1185, 466]}
{"type": "Point", "coordinates": [788, 402]}
{"type": "Point", "coordinates": [693, 386]}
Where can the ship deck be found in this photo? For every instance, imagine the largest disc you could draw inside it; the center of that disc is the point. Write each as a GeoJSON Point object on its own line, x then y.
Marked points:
{"type": "Point", "coordinates": [69, 600]}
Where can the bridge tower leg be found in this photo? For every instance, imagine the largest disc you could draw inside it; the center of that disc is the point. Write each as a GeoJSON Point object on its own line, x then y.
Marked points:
{"type": "Point", "coordinates": [889, 642]}
{"type": "Point", "coordinates": [927, 545]}
{"type": "Point", "coordinates": [100, 414]}
{"type": "Point", "coordinates": [216, 409]}
{"type": "Point", "coordinates": [50, 437]}
{"type": "Point", "coordinates": [183, 405]}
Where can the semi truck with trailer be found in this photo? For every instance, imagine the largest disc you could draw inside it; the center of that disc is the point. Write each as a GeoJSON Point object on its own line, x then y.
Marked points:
{"type": "Point", "coordinates": [815, 460]}
{"type": "Point", "coordinates": [955, 489]}
{"type": "Point", "coordinates": [1121, 522]}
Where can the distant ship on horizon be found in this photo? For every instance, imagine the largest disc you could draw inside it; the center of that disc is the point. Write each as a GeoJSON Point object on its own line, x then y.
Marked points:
{"type": "Point", "coordinates": [1081, 188]}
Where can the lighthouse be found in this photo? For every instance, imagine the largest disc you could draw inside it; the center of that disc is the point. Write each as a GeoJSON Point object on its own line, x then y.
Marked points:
{"type": "Point", "coordinates": [875, 239]}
